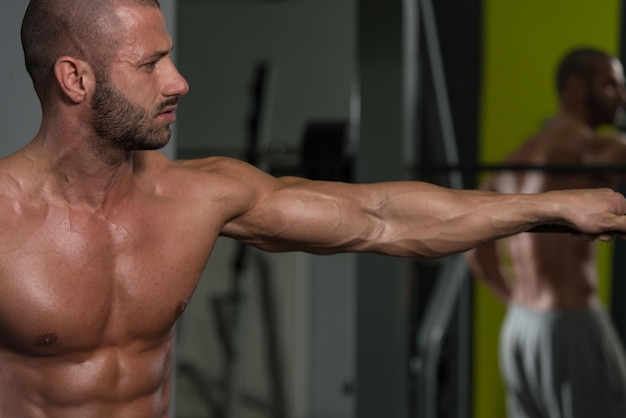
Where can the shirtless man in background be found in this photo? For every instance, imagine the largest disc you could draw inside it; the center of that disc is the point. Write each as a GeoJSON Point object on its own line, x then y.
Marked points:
{"type": "Point", "coordinates": [560, 356]}
{"type": "Point", "coordinates": [104, 239]}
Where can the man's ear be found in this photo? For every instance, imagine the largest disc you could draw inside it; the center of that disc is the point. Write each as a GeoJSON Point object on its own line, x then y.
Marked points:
{"type": "Point", "coordinates": [75, 78]}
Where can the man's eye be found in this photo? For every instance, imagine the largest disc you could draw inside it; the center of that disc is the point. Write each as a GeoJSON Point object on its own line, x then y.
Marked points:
{"type": "Point", "coordinates": [151, 64]}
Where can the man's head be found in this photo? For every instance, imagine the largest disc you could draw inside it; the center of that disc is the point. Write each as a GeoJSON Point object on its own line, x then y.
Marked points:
{"type": "Point", "coordinates": [84, 29]}
{"type": "Point", "coordinates": [590, 82]}
{"type": "Point", "coordinates": [111, 61]}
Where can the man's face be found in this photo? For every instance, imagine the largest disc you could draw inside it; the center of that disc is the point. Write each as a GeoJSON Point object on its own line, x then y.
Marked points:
{"type": "Point", "coordinates": [136, 95]}
{"type": "Point", "coordinates": [606, 93]}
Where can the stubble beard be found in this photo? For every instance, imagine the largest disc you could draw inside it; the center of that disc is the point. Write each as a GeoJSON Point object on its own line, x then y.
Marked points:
{"type": "Point", "coordinates": [122, 125]}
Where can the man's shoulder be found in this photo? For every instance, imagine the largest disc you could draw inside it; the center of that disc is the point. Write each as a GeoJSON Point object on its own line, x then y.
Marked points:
{"type": "Point", "coordinates": [555, 144]}
{"type": "Point", "coordinates": [198, 169]}
{"type": "Point", "coordinates": [210, 176]}
{"type": "Point", "coordinates": [154, 162]}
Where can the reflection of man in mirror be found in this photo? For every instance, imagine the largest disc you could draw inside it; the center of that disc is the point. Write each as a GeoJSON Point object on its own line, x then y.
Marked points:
{"type": "Point", "coordinates": [559, 353]}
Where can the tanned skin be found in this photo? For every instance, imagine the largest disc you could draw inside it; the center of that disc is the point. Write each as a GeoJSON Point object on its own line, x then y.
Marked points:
{"type": "Point", "coordinates": [104, 240]}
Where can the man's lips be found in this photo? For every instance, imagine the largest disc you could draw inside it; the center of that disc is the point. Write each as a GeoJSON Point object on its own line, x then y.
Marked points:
{"type": "Point", "coordinates": [168, 114]}
{"type": "Point", "coordinates": [168, 109]}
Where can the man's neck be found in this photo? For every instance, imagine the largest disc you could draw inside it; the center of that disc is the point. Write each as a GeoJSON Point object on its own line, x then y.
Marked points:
{"type": "Point", "coordinates": [80, 174]}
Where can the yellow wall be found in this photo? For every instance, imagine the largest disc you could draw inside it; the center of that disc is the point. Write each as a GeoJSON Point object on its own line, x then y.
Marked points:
{"type": "Point", "coordinates": [522, 41]}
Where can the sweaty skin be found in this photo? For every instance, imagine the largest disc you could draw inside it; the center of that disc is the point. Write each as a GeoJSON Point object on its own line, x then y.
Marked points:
{"type": "Point", "coordinates": [557, 271]}
{"type": "Point", "coordinates": [91, 293]}
{"type": "Point", "coordinates": [103, 244]}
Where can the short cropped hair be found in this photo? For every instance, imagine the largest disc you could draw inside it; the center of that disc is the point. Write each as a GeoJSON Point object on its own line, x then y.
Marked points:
{"type": "Point", "coordinates": [582, 62]}
{"type": "Point", "coordinates": [78, 28]}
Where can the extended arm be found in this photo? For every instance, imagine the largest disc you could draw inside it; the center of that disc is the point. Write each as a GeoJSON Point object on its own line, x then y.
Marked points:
{"type": "Point", "coordinates": [402, 218]}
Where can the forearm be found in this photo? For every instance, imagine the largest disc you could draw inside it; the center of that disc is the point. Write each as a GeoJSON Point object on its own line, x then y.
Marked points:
{"type": "Point", "coordinates": [453, 221]}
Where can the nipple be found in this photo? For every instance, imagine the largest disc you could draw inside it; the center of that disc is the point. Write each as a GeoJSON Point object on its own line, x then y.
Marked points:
{"type": "Point", "coordinates": [182, 307]}
{"type": "Point", "coordinates": [46, 339]}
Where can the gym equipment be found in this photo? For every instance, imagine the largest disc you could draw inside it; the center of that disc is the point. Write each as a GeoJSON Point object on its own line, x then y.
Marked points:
{"type": "Point", "coordinates": [325, 153]}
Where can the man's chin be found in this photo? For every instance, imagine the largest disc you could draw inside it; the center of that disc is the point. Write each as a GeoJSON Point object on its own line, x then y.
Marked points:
{"type": "Point", "coordinates": [163, 140]}
{"type": "Point", "coordinates": [152, 145]}
{"type": "Point", "coordinates": [157, 146]}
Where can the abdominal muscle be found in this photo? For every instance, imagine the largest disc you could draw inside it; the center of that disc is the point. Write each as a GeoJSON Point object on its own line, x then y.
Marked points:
{"type": "Point", "coordinates": [110, 382]}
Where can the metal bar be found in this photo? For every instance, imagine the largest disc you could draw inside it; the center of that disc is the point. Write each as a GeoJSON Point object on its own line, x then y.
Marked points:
{"type": "Point", "coordinates": [441, 92]}
{"type": "Point", "coordinates": [449, 285]}
{"type": "Point", "coordinates": [562, 229]}
{"type": "Point", "coordinates": [475, 168]}
{"type": "Point", "coordinates": [410, 45]}
{"type": "Point", "coordinates": [432, 333]}
{"type": "Point", "coordinates": [274, 354]}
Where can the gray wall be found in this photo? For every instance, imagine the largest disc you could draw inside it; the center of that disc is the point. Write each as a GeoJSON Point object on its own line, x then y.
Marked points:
{"type": "Point", "coordinates": [19, 108]}
{"type": "Point", "coordinates": [308, 43]}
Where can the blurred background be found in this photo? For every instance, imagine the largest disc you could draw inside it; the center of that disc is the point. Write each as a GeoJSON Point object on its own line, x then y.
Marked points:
{"type": "Point", "coordinates": [359, 91]}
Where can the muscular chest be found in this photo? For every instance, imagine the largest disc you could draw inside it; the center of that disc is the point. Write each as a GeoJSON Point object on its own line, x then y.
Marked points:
{"type": "Point", "coordinates": [76, 287]}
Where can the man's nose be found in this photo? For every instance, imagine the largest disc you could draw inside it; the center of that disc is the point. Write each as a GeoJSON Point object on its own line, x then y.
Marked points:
{"type": "Point", "coordinates": [177, 84]}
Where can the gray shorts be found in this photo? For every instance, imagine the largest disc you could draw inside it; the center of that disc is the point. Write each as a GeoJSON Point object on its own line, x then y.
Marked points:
{"type": "Point", "coordinates": [562, 364]}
